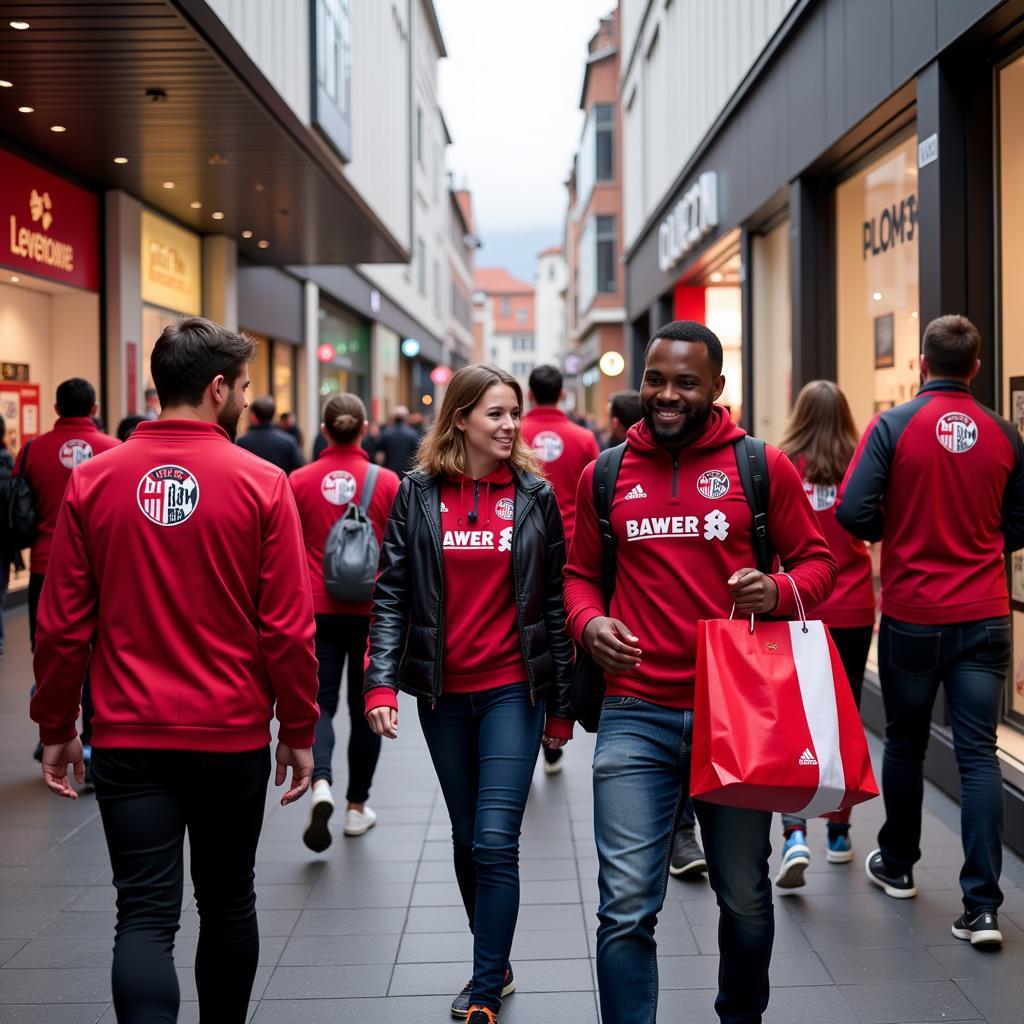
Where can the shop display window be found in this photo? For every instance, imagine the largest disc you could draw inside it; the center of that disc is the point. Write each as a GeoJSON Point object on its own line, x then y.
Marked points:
{"type": "Point", "coordinates": [347, 366]}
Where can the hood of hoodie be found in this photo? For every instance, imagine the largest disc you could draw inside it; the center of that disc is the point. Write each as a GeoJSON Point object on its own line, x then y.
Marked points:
{"type": "Point", "coordinates": [476, 496]}
{"type": "Point", "coordinates": [719, 431]}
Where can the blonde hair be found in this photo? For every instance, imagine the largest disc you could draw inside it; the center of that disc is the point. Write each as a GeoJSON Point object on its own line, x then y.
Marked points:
{"type": "Point", "coordinates": [443, 451]}
{"type": "Point", "coordinates": [344, 416]}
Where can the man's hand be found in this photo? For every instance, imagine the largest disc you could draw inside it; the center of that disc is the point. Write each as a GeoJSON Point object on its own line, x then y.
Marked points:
{"type": "Point", "coordinates": [610, 643]}
{"type": "Point", "coordinates": [384, 722]}
{"type": "Point", "coordinates": [57, 757]}
{"type": "Point", "coordinates": [554, 742]}
{"type": "Point", "coordinates": [753, 592]}
{"type": "Point", "coordinates": [300, 760]}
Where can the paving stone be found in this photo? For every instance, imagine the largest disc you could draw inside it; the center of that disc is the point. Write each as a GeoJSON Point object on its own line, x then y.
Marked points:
{"type": "Point", "coordinates": [908, 1002]}
{"type": "Point", "coordinates": [47, 1013]}
{"type": "Point", "coordinates": [866, 966]}
{"type": "Point", "coordinates": [329, 982]}
{"type": "Point", "coordinates": [321, 950]}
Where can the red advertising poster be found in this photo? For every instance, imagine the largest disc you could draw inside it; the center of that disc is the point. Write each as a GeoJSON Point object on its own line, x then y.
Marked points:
{"type": "Point", "coordinates": [19, 406]}
{"type": "Point", "coordinates": [49, 226]}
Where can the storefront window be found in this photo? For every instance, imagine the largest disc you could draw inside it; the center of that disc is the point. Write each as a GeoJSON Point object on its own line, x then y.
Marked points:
{"type": "Point", "coordinates": [877, 326]}
{"type": "Point", "coordinates": [1011, 167]}
{"type": "Point", "coordinates": [772, 331]}
{"type": "Point", "coordinates": [348, 336]}
{"type": "Point", "coordinates": [282, 370]}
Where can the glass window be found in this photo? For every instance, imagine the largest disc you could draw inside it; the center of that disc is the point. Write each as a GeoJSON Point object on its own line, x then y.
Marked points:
{"type": "Point", "coordinates": [419, 134]}
{"type": "Point", "coordinates": [772, 333]}
{"type": "Point", "coordinates": [282, 383]}
{"type": "Point", "coordinates": [877, 326]}
{"type": "Point", "coordinates": [332, 96]}
{"type": "Point", "coordinates": [349, 336]}
{"type": "Point", "coordinates": [598, 258]}
{"type": "Point", "coordinates": [506, 307]}
{"type": "Point", "coordinates": [606, 254]}
{"type": "Point", "coordinates": [604, 141]}
{"type": "Point", "coordinates": [421, 265]}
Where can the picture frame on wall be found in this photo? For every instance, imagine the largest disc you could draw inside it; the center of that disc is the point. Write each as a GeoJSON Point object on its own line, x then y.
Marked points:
{"type": "Point", "coordinates": [885, 341]}
{"type": "Point", "coordinates": [1017, 558]}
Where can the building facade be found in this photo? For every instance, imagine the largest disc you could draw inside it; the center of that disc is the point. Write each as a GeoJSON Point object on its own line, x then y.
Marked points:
{"type": "Point", "coordinates": [462, 247]}
{"type": "Point", "coordinates": [850, 178]}
{"type": "Point", "coordinates": [549, 302]}
{"type": "Point", "coordinates": [505, 319]}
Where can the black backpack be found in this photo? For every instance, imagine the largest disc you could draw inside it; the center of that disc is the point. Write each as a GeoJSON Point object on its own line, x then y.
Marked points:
{"type": "Point", "coordinates": [752, 465]}
{"type": "Point", "coordinates": [351, 551]}
{"type": "Point", "coordinates": [18, 526]}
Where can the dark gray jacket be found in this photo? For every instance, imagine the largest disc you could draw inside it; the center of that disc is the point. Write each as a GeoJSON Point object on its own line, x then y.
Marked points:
{"type": "Point", "coordinates": [272, 444]}
{"type": "Point", "coordinates": [407, 624]}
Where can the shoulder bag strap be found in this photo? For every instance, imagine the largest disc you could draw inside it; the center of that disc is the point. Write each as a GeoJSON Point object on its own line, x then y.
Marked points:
{"type": "Point", "coordinates": [369, 482]}
{"type": "Point", "coordinates": [752, 465]}
{"type": "Point", "coordinates": [606, 473]}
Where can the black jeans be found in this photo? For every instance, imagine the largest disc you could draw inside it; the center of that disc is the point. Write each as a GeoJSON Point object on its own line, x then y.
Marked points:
{"type": "Point", "coordinates": [853, 645]}
{"type": "Point", "coordinates": [341, 638]}
{"type": "Point", "coordinates": [148, 800]}
{"type": "Point", "coordinates": [971, 660]}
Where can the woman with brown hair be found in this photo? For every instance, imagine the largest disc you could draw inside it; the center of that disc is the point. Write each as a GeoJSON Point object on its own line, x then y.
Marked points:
{"type": "Point", "coordinates": [820, 440]}
{"type": "Point", "coordinates": [323, 491]}
{"type": "Point", "coordinates": [468, 619]}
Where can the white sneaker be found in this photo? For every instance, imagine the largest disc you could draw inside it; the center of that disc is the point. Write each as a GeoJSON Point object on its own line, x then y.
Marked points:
{"type": "Point", "coordinates": [317, 834]}
{"type": "Point", "coordinates": [358, 822]}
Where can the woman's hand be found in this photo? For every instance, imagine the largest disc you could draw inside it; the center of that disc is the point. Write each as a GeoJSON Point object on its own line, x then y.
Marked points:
{"type": "Point", "coordinates": [554, 742]}
{"type": "Point", "coordinates": [384, 722]}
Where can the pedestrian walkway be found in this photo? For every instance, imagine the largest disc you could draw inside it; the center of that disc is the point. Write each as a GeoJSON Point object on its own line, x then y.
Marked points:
{"type": "Point", "coordinates": [373, 930]}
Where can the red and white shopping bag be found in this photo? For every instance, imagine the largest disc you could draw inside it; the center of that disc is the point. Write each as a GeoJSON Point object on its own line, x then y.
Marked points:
{"type": "Point", "coordinates": [775, 726]}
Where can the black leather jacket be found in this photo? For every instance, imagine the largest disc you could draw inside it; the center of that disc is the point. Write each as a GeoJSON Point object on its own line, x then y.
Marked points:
{"type": "Point", "coordinates": [407, 624]}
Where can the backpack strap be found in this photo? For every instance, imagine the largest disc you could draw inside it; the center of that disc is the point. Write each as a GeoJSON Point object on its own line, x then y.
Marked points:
{"type": "Point", "coordinates": [22, 459]}
{"type": "Point", "coordinates": [369, 482]}
{"type": "Point", "coordinates": [752, 465]}
{"type": "Point", "coordinates": [606, 473]}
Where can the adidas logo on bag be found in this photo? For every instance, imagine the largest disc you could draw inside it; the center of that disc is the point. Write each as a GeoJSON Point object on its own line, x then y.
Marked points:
{"type": "Point", "coordinates": [637, 492]}
{"type": "Point", "coordinates": [807, 758]}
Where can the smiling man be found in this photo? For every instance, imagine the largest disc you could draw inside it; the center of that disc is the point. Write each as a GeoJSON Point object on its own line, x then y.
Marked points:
{"type": "Point", "coordinates": [684, 552]}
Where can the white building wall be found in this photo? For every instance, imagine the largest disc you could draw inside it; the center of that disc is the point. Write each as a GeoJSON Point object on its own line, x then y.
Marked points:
{"type": "Point", "coordinates": [669, 103]}
{"type": "Point", "coordinates": [549, 309]}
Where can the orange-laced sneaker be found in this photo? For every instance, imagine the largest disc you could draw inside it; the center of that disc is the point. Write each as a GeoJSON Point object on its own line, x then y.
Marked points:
{"type": "Point", "coordinates": [481, 1015]}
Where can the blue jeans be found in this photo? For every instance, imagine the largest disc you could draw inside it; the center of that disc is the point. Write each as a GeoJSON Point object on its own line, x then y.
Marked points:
{"type": "Point", "coordinates": [484, 747]}
{"type": "Point", "coordinates": [641, 764]}
{"type": "Point", "coordinates": [971, 659]}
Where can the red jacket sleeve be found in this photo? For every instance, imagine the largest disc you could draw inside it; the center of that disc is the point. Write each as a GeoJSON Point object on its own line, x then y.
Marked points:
{"type": "Point", "coordinates": [584, 599]}
{"type": "Point", "coordinates": [286, 627]}
{"type": "Point", "coordinates": [65, 627]}
{"type": "Point", "coordinates": [797, 539]}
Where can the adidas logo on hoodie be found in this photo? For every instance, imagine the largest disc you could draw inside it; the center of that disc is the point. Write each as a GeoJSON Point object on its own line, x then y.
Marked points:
{"type": "Point", "coordinates": [637, 492]}
{"type": "Point", "coordinates": [807, 759]}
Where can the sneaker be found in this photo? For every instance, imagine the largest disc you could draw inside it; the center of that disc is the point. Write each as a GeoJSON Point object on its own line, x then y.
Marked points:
{"type": "Point", "coordinates": [553, 761]}
{"type": "Point", "coordinates": [460, 1004]}
{"type": "Point", "coordinates": [839, 849]}
{"type": "Point", "coordinates": [358, 822]}
{"type": "Point", "coordinates": [980, 930]}
{"type": "Point", "coordinates": [482, 1015]}
{"type": "Point", "coordinates": [317, 833]}
{"type": "Point", "coordinates": [899, 887]}
{"type": "Point", "coordinates": [796, 855]}
{"type": "Point", "coordinates": [687, 856]}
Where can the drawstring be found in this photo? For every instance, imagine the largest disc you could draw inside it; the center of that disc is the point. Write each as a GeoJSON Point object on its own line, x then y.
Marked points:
{"type": "Point", "coordinates": [462, 499]}
{"type": "Point", "coordinates": [487, 503]}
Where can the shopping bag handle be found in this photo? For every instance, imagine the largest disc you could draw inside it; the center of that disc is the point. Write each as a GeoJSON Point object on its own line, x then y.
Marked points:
{"type": "Point", "coordinates": [800, 610]}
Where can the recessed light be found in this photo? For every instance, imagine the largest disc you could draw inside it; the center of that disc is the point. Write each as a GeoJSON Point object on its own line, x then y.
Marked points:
{"type": "Point", "coordinates": [196, 205]}
{"type": "Point", "coordinates": [913, 316]}
{"type": "Point", "coordinates": [19, 26]}
{"type": "Point", "coordinates": [15, 279]}
{"type": "Point", "coordinates": [218, 161]}
{"type": "Point", "coordinates": [258, 186]}
{"type": "Point", "coordinates": [716, 277]}
{"type": "Point", "coordinates": [26, 110]}
{"type": "Point", "coordinates": [4, 84]}
{"type": "Point", "coordinates": [57, 128]}
{"type": "Point", "coordinates": [168, 184]}
{"type": "Point", "coordinates": [263, 244]}
{"type": "Point", "coordinates": [120, 159]}
{"type": "Point", "coordinates": [247, 233]}
{"type": "Point", "coordinates": [877, 296]}
{"type": "Point", "coordinates": [217, 215]}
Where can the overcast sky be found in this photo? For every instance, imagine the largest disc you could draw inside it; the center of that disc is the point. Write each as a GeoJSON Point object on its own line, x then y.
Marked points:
{"type": "Point", "coordinates": [510, 92]}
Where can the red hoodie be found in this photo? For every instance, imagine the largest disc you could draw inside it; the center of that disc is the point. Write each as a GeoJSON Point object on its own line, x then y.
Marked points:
{"type": "Point", "coordinates": [323, 490]}
{"type": "Point", "coordinates": [683, 527]}
{"type": "Point", "coordinates": [178, 564]}
{"type": "Point", "coordinates": [852, 603]}
{"type": "Point", "coordinates": [51, 458]}
{"type": "Point", "coordinates": [564, 450]}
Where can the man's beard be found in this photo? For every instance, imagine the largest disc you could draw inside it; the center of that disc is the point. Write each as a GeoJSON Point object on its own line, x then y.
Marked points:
{"type": "Point", "coordinates": [691, 424]}
{"type": "Point", "coordinates": [228, 417]}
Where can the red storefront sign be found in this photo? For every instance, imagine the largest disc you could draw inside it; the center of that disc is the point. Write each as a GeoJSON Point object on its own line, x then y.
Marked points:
{"type": "Point", "coordinates": [50, 227]}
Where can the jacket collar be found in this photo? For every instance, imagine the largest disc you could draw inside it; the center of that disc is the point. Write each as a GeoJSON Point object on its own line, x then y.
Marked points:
{"type": "Point", "coordinates": [524, 481]}
{"type": "Point", "coordinates": [944, 385]}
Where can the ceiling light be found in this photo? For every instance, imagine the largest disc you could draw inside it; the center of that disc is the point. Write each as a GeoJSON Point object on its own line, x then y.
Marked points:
{"type": "Point", "coordinates": [247, 233]}
{"type": "Point", "coordinates": [15, 279]}
{"type": "Point", "coordinates": [26, 110]}
{"type": "Point", "coordinates": [57, 128]}
{"type": "Point", "coordinates": [217, 215]}
{"type": "Point", "coordinates": [263, 243]}
{"type": "Point", "coordinates": [258, 186]}
{"type": "Point", "coordinates": [19, 26]}
{"type": "Point", "coordinates": [877, 296]}
{"type": "Point", "coordinates": [120, 159]}
{"type": "Point", "coordinates": [717, 277]}
{"type": "Point", "coordinates": [196, 205]}
{"type": "Point", "coordinates": [4, 84]}
{"type": "Point", "coordinates": [913, 316]}
{"type": "Point", "coordinates": [218, 161]}
{"type": "Point", "coordinates": [168, 184]}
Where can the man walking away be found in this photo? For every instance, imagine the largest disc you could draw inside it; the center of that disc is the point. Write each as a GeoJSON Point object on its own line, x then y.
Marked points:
{"type": "Point", "coordinates": [939, 481]}
{"type": "Point", "coordinates": [398, 444]}
{"type": "Point", "coordinates": [684, 552]}
{"type": "Point", "coordinates": [178, 568]}
{"type": "Point", "coordinates": [267, 441]}
{"type": "Point", "coordinates": [623, 411]}
{"type": "Point", "coordinates": [564, 450]}
{"type": "Point", "coordinates": [286, 421]}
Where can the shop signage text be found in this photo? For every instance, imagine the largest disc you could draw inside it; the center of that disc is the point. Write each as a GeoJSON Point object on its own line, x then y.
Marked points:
{"type": "Point", "coordinates": [52, 225]}
{"type": "Point", "coordinates": [694, 217]}
{"type": "Point", "coordinates": [928, 150]}
{"type": "Point", "coordinates": [895, 225]}
{"type": "Point", "coordinates": [171, 265]}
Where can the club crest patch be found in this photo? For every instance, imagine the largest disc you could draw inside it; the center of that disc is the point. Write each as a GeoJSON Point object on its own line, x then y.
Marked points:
{"type": "Point", "coordinates": [74, 452]}
{"type": "Point", "coordinates": [338, 487]}
{"type": "Point", "coordinates": [168, 495]}
{"type": "Point", "coordinates": [505, 509]}
{"type": "Point", "coordinates": [713, 484]}
{"type": "Point", "coordinates": [821, 496]}
{"type": "Point", "coordinates": [957, 432]}
{"type": "Point", "coordinates": [548, 446]}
